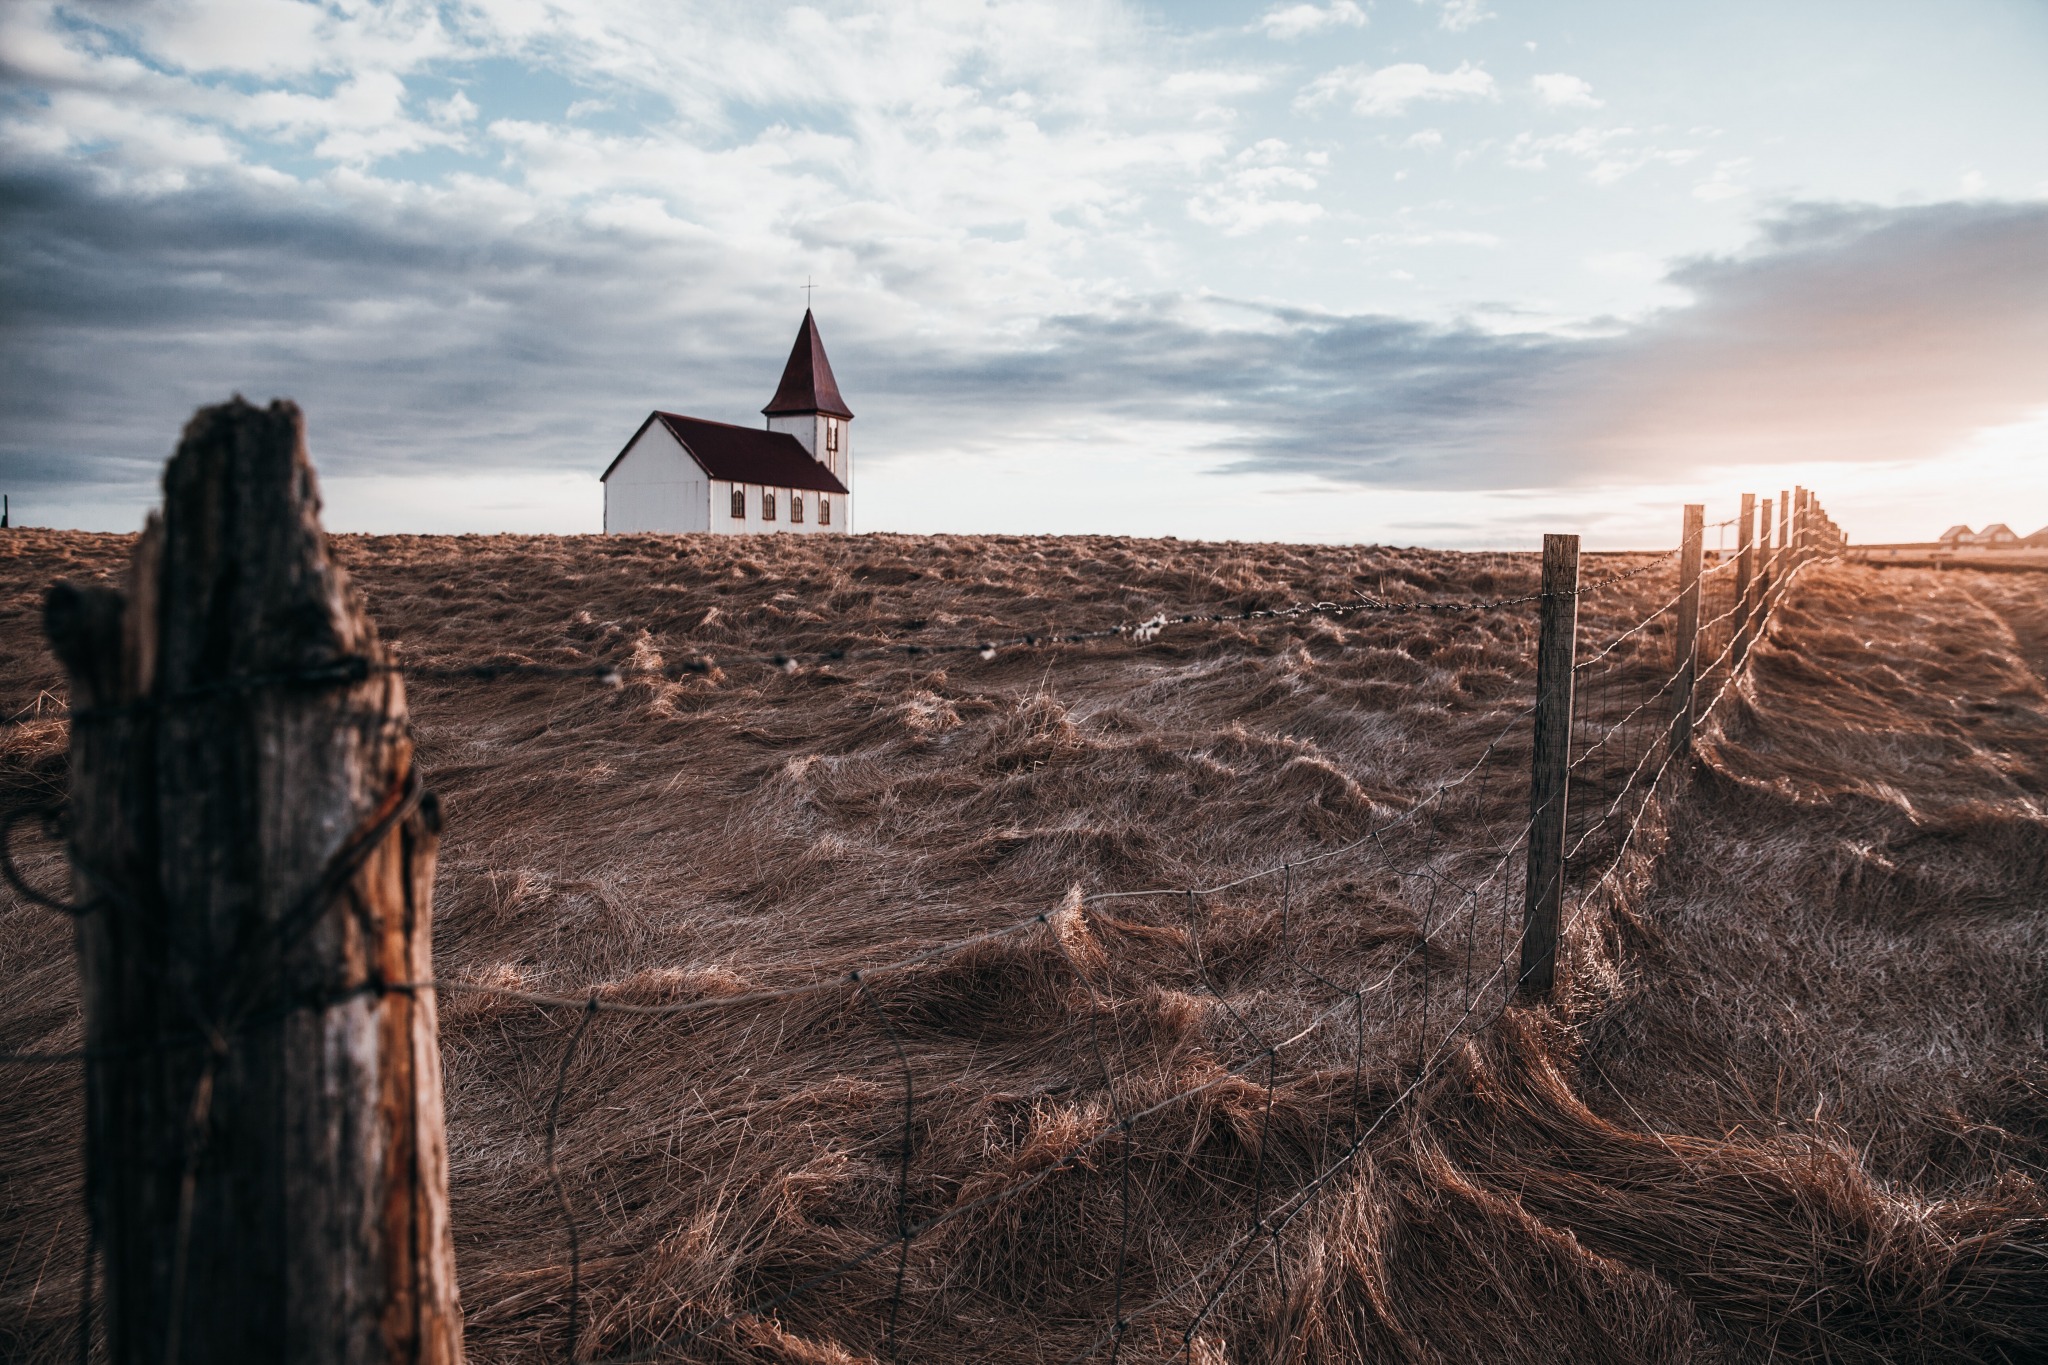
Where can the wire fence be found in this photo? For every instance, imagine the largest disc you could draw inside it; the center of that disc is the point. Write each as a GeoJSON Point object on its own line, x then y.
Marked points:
{"type": "Point", "coordinates": [1455, 853]}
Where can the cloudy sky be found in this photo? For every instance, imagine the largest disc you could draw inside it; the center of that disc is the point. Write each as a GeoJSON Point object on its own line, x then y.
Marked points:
{"type": "Point", "coordinates": [1449, 272]}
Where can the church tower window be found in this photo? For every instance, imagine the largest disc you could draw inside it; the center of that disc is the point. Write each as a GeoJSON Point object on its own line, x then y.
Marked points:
{"type": "Point", "coordinates": [831, 436]}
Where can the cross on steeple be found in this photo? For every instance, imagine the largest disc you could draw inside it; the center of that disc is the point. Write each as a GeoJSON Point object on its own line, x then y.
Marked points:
{"type": "Point", "coordinates": [808, 287]}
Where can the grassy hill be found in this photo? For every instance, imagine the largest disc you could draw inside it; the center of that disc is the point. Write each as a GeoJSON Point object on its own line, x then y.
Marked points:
{"type": "Point", "coordinates": [1792, 1103]}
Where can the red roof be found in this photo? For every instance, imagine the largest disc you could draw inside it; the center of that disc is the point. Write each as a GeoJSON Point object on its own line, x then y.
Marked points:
{"type": "Point", "coordinates": [741, 454]}
{"type": "Point", "coordinates": [807, 383]}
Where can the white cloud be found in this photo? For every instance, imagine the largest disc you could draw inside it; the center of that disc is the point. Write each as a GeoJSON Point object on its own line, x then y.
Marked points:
{"type": "Point", "coordinates": [1391, 89]}
{"type": "Point", "coordinates": [1434, 237]}
{"type": "Point", "coordinates": [1458, 15]}
{"type": "Point", "coordinates": [1212, 85]}
{"type": "Point", "coordinates": [1721, 184]}
{"type": "Point", "coordinates": [1261, 187]}
{"type": "Point", "coordinates": [1295, 21]}
{"type": "Point", "coordinates": [258, 36]}
{"type": "Point", "coordinates": [362, 120]}
{"type": "Point", "coordinates": [1016, 144]}
{"type": "Point", "coordinates": [1640, 267]}
{"type": "Point", "coordinates": [1615, 153]}
{"type": "Point", "coordinates": [455, 111]}
{"type": "Point", "coordinates": [1561, 91]}
{"type": "Point", "coordinates": [277, 38]}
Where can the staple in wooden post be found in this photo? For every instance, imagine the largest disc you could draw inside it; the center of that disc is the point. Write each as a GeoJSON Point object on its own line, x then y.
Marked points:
{"type": "Point", "coordinates": [265, 1160]}
{"type": "Point", "coordinates": [1745, 579]}
{"type": "Point", "coordinates": [1686, 636]}
{"type": "Point", "coordinates": [1550, 765]}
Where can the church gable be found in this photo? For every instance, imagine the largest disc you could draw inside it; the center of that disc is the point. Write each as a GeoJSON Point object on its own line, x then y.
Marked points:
{"type": "Point", "coordinates": [655, 484]}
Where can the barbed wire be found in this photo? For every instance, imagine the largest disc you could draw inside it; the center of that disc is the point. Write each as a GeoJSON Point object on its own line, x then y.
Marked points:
{"type": "Point", "coordinates": [1301, 1201]}
{"type": "Point", "coordinates": [201, 1037]}
{"type": "Point", "coordinates": [1766, 613]}
{"type": "Point", "coordinates": [1303, 1197]}
{"type": "Point", "coordinates": [1672, 753]}
{"type": "Point", "coordinates": [1073, 1155]}
{"type": "Point", "coordinates": [1671, 602]}
{"type": "Point", "coordinates": [1620, 727]}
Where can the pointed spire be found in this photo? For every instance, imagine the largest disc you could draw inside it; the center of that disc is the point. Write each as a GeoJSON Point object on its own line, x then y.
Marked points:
{"type": "Point", "coordinates": [807, 383]}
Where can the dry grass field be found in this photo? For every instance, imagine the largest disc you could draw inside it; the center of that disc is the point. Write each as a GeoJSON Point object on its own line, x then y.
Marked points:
{"type": "Point", "coordinates": [1793, 1103]}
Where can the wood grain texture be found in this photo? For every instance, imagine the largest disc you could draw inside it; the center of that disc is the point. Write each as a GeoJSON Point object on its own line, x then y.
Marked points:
{"type": "Point", "coordinates": [1745, 579]}
{"type": "Point", "coordinates": [1685, 637]}
{"type": "Point", "coordinates": [1766, 568]}
{"type": "Point", "coordinates": [1550, 765]}
{"type": "Point", "coordinates": [265, 1158]}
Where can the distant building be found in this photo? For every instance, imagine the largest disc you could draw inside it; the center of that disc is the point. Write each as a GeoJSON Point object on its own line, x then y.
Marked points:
{"type": "Point", "coordinates": [688, 474]}
{"type": "Point", "coordinates": [1958, 535]}
{"type": "Point", "coordinates": [1997, 533]}
{"type": "Point", "coordinates": [2038, 540]}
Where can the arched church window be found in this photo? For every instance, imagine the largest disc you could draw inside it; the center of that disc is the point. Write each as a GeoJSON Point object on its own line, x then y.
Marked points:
{"type": "Point", "coordinates": [796, 507]}
{"type": "Point", "coordinates": [824, 511]}
{"type": "Point", "coordinates": [767, 505]}
{"type": "Point", "coordinates": [739, 503]}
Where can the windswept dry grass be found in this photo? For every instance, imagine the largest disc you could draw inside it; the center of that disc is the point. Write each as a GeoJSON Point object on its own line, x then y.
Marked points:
{"type": "Point", "coordinates": [1795, 1106]}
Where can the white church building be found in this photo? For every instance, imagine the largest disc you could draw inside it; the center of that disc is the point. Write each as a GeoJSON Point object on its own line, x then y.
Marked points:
{"type": "Point", "coordinates": [687, 474]}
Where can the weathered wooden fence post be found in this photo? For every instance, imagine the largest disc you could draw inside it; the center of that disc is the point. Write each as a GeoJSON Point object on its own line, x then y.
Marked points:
{"type": "Point", "coordinates": [254, 862]}
{"type": "Point", "coordinates": [1745, 580]}
{"type": "Point", "coordinates": [1685, 638]}
{"type": "Point", "coordinates": [1766, 569]}
{"type": "Point", "coordinates": [1784, 542]}
{"type": "Point", "coordinates": [1800, 498]}
{"type": "Point", "coordinates": [1550, 765]}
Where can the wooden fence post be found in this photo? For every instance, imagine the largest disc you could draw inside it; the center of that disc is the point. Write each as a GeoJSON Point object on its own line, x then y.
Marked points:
{"type": "Point", "coordinates": [1550, 765]}
{"type": "Point", "coordinates": [1784, 551]}
{"type": "Point", "coordinates": [254, 862]}
{"type": "Point", "coordinates": [1745, 580]}
{"type": "Point", "coordinates": [1799, 524]}
{"type": "Point", "coordinates": [1685, 639]}
{"type": "Point", "coordinates": [1766, 567]}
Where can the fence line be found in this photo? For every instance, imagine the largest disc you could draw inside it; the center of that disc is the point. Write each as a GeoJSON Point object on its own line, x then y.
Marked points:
{"type": "Point", "coordinates": [1303, 1197]}
{"type": "Point", "coordinates": [1752, 608]}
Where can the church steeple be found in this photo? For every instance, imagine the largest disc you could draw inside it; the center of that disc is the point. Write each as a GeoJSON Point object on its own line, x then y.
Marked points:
{"type": "Point", "coordinates": [807, 405]}
{"type": "Point", "coordinates": [807, 384]}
